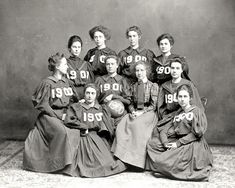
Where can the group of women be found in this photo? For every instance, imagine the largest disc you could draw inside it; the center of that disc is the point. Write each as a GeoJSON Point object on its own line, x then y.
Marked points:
{"type": "Point", "coordinates": [160, 128]}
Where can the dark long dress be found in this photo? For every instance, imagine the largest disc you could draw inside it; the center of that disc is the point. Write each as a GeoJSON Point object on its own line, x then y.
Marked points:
{"type": "Point", "coordinates": [94, 158]}
{"type": "Point", "coordinates": [192, 159]}
{"type": "Point", "coordinates": [50, 145]}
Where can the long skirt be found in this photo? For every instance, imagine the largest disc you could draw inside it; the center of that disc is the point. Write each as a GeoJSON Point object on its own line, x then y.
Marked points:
{"type": "Point", "coordinates": [50, 146]}
{"type": "Point", "coordinates": [131, 138]}
{"type": "Point", "coordinates": [94, 158]}
{"type": "Point", "coordinates": [192, 161]}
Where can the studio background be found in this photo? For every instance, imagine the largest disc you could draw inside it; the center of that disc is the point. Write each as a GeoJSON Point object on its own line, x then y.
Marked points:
{"type": "Point", "coordinates": [32, 30]}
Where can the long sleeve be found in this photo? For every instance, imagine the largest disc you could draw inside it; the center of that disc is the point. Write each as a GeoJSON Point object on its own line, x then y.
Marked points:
{"type": "Point", "coordinates": [41, 99]}
{"type": "Point", "coordinates": [153, 97]}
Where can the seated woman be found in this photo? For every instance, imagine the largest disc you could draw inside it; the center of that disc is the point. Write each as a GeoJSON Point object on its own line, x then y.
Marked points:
{"type": "Point", "coordinates": [177, 148]}
{"type": "Point", "coordinates": [94, 158]}
{"type": "Point", "coordinates": [134, 130]}
{"type": "Point", "coordinates": [113, 86]}
{"type": "Point", "coordinates": [51, 146]}
{"type": "Point", "coordinates": [79, 72]}
{"type": "Point", "coordinates": [167, 101]}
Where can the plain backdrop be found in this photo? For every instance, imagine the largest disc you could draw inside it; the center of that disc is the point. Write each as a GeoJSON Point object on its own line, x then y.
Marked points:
{"type": "Point", "coordinates": [32, 30]}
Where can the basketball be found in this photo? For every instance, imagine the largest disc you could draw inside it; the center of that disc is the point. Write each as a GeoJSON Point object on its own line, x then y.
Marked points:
{"type": "Point", "coordinates": [116, 108]}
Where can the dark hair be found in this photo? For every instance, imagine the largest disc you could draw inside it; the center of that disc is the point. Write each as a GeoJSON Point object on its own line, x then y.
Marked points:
{"type": "Point", "coordinates": [54, 60]}
{"type": "Point", "coordinates": [165, 36]}
{"type": "Point", "coordinates": [101, 29]}
{"type": "Point", "coordinates": [92, 85]}
{"type": "Point", "coordinates": [186, 88]}
{"type": "Point", "coordinates": [180, 60]}
{"type": "Point", "coordinates": [133, 28]}
{"type": "Point", "coordinates": [73, 39]}
{"type": "Point", "coordinates": [111, 57]}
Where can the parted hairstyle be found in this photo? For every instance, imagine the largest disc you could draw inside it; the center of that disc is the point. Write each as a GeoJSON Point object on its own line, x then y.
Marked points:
{"type": "Point", "coordinates": [54, 60]}
{"type": "Point", "coordinates": [133, 28]}
{"type": "Point", "coordinates": [165, 36]}
{"type": "Point", "coordinates": [186, 88]}
{"type": "Point", "coordinates": [73, 39]}
{"type": "Point", "coordinates": [92, 85]}
{"type": "Point", "coordinates": [101, 29]}
{"type": "Point", "coordinates": [147, 68]}
{"type": "Point", "coordinates": [112, 57]}
{"type": "Point", "coordinates": [180, 60]}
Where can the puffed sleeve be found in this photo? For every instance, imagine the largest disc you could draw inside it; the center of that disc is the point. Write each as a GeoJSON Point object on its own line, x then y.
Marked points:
{"type": "Point", "coordinates": [91, 74]}
{"type": "Point", "coordinates": [73, 117]}
{"type": "Point", "coordinates": [107, 125]}
{"type": "Point", "coordinates": [196, 98]}
{"type": "Point", "coordinates": [153, 97]}
{"type": "Point", "coordinates": [41, 99]}
{"type": "Point", "coordinates": [124, 97]}
{"type": "Point", "coordinates": [199, 126]}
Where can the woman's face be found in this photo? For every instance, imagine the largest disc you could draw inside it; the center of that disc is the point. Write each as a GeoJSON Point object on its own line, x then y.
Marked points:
{"type": "Point", "coordinates": [62, 66]}
{"type": "Point", "coordinates": [99, 38]}
{"type": "Point", "coordinates": [76, 48]}
{"type": "Point", "coordinates": [133, 38]}
{"type": "Point", "coordinates": [140, 71]}
{"type": "Point", "coordinates": [111, 65]}
{"type": "Point", "coordinates": [165, 46]}
{"type": "Point", "coordinates": [183, 98]}
{"type": "Point", "coordinates": [176, 70]}
{"type": "Point", "coordinates": [90, 95]}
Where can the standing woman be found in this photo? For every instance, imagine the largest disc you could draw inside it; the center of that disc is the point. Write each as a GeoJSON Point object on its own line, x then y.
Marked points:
{"type": "Point", "coordinates": [134, 53]}
{"type": "Point", "coordinates": [51, 146]}
{"type": "Point", "coordinates": [135, 128]}
{"type": "Point", "coordinates": [96, 56]}
{"type": "Point", "coordinates": [178, 149]}
{"type": "Point", "coordinates": [92, 120]}
{"type": "Point", "coordinates": [79, 72]}
{"type": "Point", "coordinates": [161, 71]}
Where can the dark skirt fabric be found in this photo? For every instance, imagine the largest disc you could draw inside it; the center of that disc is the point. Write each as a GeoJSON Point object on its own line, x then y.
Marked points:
{"type": "Point", "coordinates": [94, 158]}
{"type": "Point", "coordinates": [50, 146]}
{"type": "Point", "coordinates": [192, 161]}
{"type": "Point", "coordinates": [131, 138]}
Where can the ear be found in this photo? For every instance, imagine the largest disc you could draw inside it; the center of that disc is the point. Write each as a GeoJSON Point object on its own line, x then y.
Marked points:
{"type": "Point", "coordinates": [139, 37]}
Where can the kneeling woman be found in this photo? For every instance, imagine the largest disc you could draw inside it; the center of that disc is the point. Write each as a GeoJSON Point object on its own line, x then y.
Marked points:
{"type": "Point", "coordinates": [94, 158]}
{"type": "Point", "coordinates": [51, 146]}
{"type": "Point", "coordinates": [177, 148]}
{"type": "Point", "coordinates": [134, 130]}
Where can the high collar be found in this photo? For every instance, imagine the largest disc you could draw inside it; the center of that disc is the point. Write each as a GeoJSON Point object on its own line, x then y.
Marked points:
{"type": "Point", "coordinates": [168, 85]}
{"type": "Point", "coordinates": [106, 49]}
{"type": "Point", "coordinates": [86, 106]}
{"type": "Point", "coordinates": [144, 81]}
{"type": "Point", "coordinates": [129, 50]}
{"type": "Point", "coordinates": [74, 58]}
{"type": "Point", "coordinates": [117, 77]}
{"type": "Point", "coordinates": [54, 79]}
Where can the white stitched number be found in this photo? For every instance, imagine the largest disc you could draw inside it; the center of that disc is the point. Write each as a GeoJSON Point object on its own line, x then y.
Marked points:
{"type": "Point", "coordinates": [171, 98]}
{"type": "Point", "coordinates": [72, 75]}
{"type": "Point", "coordinates": [91, 117]}
{"type": "Point", "coordinates": [92, 58]}
{"type": "Point", "coordinates": [102, 58]}
{"type": "Point", "coordinates": [129, 58]}
{"type": "Point", "coordinates": [58, 92]}
{"type": "Point", "coordinates": [165, 70]}
{"type": "Point", "coordinates": [180, 117]}
{"type": "Point", "coordinates": [107, 86]}
{"type": "Point", "coordinates": [84, 74]}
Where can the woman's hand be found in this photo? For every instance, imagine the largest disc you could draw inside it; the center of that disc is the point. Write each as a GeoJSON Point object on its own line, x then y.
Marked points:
{"type": "Point", "coordinates": [137, 113]}
{"type": "Point", "coordinates": [171, 145]}
{"type": "Point", "coordinates": [108, 98]}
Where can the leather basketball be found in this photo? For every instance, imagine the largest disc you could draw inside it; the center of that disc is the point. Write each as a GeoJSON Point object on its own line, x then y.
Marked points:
{"type": "Point", "coordinates": [116, 108]}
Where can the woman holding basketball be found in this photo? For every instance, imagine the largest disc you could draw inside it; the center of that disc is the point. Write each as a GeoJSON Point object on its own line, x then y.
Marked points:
{"type": "Point", "coordinates": [113, 87]}
{"type": "Point", "coordinates": [135, 128]}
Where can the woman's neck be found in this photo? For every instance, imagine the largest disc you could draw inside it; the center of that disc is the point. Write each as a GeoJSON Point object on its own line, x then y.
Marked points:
{"type": "Point", "coordinates": [91, 104]}
{"type": "Point", "coordinates": [144, 80]}
{"type": "Point", "coordinates": [166, 54]}
{"type": "Point", "coordinates": [186, 108]}
{"type": "Point", "coordinates": [136, 46]}
{"type": "Point", "coordinates": [58, 75]}
{"type": "Point", "coordinates": [112, 74]}
{"type": "Point", "coordinates": [176, 80]}
{"type": "Point", "coordinates": [101, 47]}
